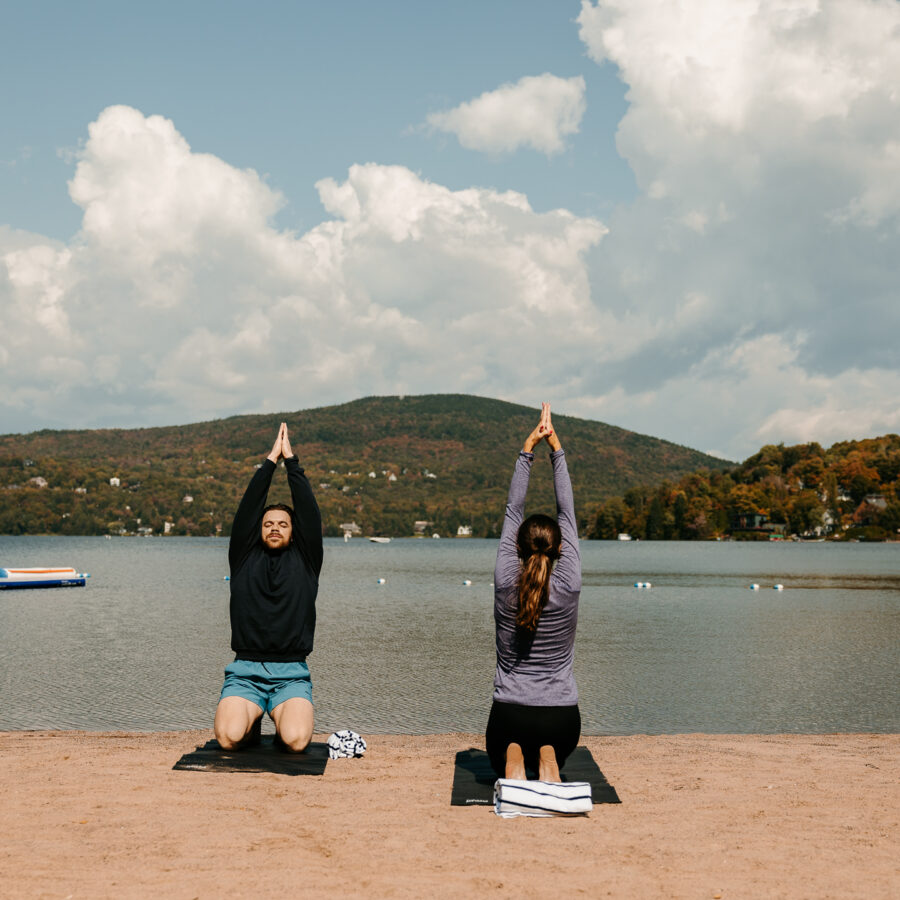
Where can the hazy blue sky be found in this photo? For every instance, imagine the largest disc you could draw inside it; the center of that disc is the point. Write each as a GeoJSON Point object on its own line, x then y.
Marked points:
{"type": "Point", "coordinates": [679, 218]}
{"type": "Point", "coordinates": [297, 91]}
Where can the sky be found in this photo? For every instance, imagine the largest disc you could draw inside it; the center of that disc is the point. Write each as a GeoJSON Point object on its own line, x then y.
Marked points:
{"type": "Point", "coordinates": [681, 217]}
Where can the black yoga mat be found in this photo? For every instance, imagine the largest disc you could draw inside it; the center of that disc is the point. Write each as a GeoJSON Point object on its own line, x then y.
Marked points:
{"type": "Point", "coordinates": [266, 756]}
{"type": "Point", "coordinates": [473, 777]}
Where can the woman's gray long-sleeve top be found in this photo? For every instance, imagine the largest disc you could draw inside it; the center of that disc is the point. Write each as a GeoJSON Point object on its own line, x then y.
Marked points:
{"type": "Point", "coordinates": [538, 673]}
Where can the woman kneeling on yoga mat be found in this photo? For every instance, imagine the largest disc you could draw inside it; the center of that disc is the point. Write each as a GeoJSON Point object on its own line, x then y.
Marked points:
{"type": "Point", "coordinates": [534, 718]}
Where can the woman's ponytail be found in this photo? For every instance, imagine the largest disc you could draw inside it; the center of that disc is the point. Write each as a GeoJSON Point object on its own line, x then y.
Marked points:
{"type": "Point", "coordinates": [538, 543]}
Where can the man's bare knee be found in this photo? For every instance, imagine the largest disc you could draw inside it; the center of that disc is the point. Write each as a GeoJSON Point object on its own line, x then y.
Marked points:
{"type": "Point", "coordinates": [295, 735]}
{"type": "Point", "coordinates": [294, 723]}
{"type": "Point", "coordinates": [236, 721]}
{"type": "Point", "coordinates": [297, 743]}
{"type": "Point", "coordinates": [231, 735]}
{"type": "Point", "coordinates": [225, 742]}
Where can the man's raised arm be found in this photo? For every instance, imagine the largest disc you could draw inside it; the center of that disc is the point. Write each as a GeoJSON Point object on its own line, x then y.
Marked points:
{"type": "Point", "coordinates": [307, 518]}
{"type": "Point", "coordinates": [245, 529]}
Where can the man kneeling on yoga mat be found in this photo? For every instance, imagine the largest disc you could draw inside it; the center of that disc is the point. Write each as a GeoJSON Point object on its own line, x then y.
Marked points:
{"type": "Point", "coordinates": [275, 555]}
{"type": "Point", "coordinates": [534, 718]}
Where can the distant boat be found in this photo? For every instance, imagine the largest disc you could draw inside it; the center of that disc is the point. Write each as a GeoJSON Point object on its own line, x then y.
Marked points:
{"type": "Point", "coordinates": [41, 578]}
{"type": "Point", "coordinates": [623, 537]}
{"type": "Point", "coordinates": [380, 540]}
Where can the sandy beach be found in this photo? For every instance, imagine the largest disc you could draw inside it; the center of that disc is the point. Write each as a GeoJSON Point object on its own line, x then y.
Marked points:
{"type": "Point", "coordinates": [103, 815]}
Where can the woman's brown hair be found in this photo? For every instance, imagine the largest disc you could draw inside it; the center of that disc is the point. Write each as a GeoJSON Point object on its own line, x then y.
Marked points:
{"type": "Point", "coordinates": [537, 542]}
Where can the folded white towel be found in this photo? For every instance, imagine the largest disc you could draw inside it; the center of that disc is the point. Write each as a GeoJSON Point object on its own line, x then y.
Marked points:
{"type": "Point", "coordinates": [513, 797]}
{"type": "Point", "coordinates": [344, 744]}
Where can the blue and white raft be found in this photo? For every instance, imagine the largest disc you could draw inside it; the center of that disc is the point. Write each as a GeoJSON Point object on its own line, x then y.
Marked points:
{"type": "Point", "coordinates": [42, 577]}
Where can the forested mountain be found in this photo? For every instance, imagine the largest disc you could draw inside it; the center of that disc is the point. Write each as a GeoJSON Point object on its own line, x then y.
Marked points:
{"type": "Point", "coordinates": [382, 462]}
{"type": "Point", "coordinates": [849, 491]}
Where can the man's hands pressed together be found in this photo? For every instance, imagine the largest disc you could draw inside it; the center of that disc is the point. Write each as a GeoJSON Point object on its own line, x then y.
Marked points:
{"type": "Point", "coordinates": [277, 525]}
{"type": "Point", "coordinates": [281, 449]}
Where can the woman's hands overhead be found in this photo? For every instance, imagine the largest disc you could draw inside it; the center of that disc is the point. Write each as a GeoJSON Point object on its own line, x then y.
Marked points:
{"type": "Point", "coordinates": [550, 437]}
{"type": "Point", "coordinates": [543, 431]}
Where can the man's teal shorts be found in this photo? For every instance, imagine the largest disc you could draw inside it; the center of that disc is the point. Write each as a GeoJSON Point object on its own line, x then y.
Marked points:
{"type": "Point", "coordinates": [267, 684]}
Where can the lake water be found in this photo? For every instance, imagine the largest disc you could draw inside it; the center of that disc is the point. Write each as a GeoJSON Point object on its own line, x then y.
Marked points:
{"type": "Point", "coordinates": [142, 647]}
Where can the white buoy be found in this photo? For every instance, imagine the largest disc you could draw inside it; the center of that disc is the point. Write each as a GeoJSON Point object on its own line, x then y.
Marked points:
{"type": "Point", "coordinates": [754, 587]}
{"type": "Point", "coordinates": [381, 581]}
{"type": "Point", "coordinates": [466, 582]}
{"type": "Point", "coordinates": [777, 587]}
{"type": "Point", "coordinates": [647, 584]}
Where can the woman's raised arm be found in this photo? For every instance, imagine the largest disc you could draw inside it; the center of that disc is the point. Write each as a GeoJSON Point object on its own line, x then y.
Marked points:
{"type": "Point", "coordinates": [506, 572]}
{"type": "Point", "coordinates": [568, 566]}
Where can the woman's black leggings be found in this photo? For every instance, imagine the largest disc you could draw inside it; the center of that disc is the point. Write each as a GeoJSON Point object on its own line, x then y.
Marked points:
{"type": "Point", "coordinates": [531, 727]}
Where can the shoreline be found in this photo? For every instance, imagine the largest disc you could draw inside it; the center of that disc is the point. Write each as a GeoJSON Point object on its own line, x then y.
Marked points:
{"type": "Point", "coordinates": [102, 814]}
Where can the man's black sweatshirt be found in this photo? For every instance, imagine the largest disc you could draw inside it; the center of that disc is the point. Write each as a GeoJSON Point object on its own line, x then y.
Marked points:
{"type": "Point", "coordinates": [273, 592]}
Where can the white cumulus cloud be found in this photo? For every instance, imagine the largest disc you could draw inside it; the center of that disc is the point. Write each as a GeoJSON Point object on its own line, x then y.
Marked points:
{"type": "Point", "coordinates": [749, 294]}
{"type": "Point", "coordinates": [179, 300]}
{"type": "Point", "coordinates": [764, 135]}
{"type": "Point", "coordinates": [537, 111]}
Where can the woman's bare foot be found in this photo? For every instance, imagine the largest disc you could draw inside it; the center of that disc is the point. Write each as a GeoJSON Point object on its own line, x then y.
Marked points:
{"type": "Point", "coordinates": [515, 762]}
{"type": "Point", "coordinates": [548, 770]}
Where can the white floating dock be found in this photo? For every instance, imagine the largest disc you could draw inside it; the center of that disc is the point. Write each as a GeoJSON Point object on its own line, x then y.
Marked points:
{"type": "Point", "coordinates": [41, 577]}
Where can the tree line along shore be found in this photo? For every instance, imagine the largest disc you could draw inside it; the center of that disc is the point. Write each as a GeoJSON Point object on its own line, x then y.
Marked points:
{"type": "Point", "coordinates": [851, 491]}
{"type": "Point", "coordinates": [440, 464]}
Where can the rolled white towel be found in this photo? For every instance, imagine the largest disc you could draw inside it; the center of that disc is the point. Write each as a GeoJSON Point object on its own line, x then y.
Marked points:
{"type": "Point", "coordinates": [345, 744]}
{"type": "Point", "coordinates": [513, 797]}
